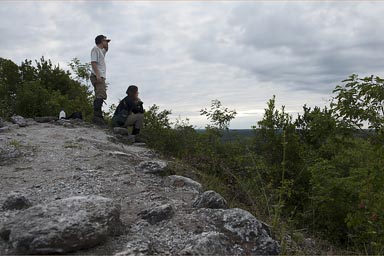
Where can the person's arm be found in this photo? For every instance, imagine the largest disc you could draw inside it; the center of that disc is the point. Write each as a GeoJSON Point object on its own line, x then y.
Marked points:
{"type": "Point", "coordinates": [137, 107]}
{"type": "Point", "coordinates": [94, 60]}
{"type": "Point", "coordinates": [96, 70]}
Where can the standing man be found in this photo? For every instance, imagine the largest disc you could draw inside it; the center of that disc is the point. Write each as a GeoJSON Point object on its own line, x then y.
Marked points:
{"type": "Point", "coordinates": [98, 76]}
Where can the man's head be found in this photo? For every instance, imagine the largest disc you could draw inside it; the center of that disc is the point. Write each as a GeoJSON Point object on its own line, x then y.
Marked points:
{"type": "Point", "coordinates": [102, 41]}
{"type": "Point", "coordinates": [133, 91]}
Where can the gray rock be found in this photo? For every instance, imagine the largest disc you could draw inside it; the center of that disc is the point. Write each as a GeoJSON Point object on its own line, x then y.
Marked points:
{"type": "Point", "coordinates": [16, 201]}
{"type": "Point", "coordinates": [207, 243]}
{"type": "Point", "coordinates": [120, 130]}
{"type": "Point", "coordinates": [137, 247]}
{"type": "Point", "coordinates": [210, 199]}
{"type": "Point", "coordinates": [201, 232]}
{"type": "Point", "coordinates": [30, 121]}
{"type": "Point", "coordinates": [45, 119]}
{"type": "Point", "coordinates": [244, 227]}
{"type": "Point", "coordinates": [62, 226]}
{"type": "Point", "coordinates": [9, 153]}
{"type": "Point", "coordinates": [4, 129]}
{"type": "Point", "coordinates": [157, 214]}
{"type": "Point", "coordinates": [181, 181]}
{"type": "Point", "coordinates": [153, 167]}
{"type": "Point", "coordinates": [19, 120]}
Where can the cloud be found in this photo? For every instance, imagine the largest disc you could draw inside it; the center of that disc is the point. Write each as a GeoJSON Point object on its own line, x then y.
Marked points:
{"type": "Point", "coordinates": [185, 54]}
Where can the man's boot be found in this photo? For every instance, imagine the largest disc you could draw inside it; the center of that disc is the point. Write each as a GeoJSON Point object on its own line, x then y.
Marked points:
{"type": "Point", "coordinates": [98, 113]}
{"type": "Point", "coordinates": [138, 138]}
{"type": "Point", "coordinates": [135, 131]}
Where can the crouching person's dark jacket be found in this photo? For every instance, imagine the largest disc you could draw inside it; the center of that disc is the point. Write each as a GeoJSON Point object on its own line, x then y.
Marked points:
{"type": "Point", "coordinates": [126, 107]}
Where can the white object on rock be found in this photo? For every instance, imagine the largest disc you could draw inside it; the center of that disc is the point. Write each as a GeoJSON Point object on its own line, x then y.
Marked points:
{"type": "Point", "coordinates": [62, 114]}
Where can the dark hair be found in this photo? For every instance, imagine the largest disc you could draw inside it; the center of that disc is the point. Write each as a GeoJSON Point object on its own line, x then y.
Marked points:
{"type": "Point", "coordinates": [132, 89]}
{"type": "Point", "coordinates": [99, 39]}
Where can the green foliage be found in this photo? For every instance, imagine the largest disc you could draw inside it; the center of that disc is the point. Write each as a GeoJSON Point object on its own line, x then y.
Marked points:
{"type": "Point", "coordinates": [219, 116]}
{"type": "Point", "coordinates": [315, 173]}
{"type": "Point", "coordinates": [316, 126]}
{"type": "Point", "coordinates": [360, 100]}
{"type": "Point", "coordinates": [82, 71]}
{"type": "Point", "coordinates": [10, 78]}
{"type": "Point", "coordinates": [43, 89]}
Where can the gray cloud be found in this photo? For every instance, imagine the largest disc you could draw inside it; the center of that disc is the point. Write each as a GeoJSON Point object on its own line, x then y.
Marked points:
{"type": "Point", "coordinates": [184, 54]}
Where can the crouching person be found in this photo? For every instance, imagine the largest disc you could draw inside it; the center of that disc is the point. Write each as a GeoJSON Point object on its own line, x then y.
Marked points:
{"type": "Point", "coordinates": [130, 112]}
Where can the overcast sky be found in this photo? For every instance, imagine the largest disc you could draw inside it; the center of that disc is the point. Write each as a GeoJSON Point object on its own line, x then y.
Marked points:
{"type": "Point", "coordinates": [182, 55]}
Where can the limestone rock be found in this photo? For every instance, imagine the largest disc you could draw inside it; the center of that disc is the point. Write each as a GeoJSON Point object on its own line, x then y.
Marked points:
{"type": "Point", "coordinates": [153, 167]}
{"type": "Point", "coordinates": [203, 232]}
{"type": "Point", "coordinates": [157, 214]}
{"type": "Point", "coordinates": [120, 130]}
{"type": "Point", "coordinates": [30, 121]}
{"type": "Point", "coordinates": [207, 243]}
{"type": "Point", "coordinates": [45, 119]}
{"type": "Point", "coordinates": [181, 181]}
{"type": "Point", "coordinates": [137, 247]}
{"type": "Point", "coordinates": [4, 129]}
{"type": "Point", "coordinates": [63, 225]}
{"type": "Point", "coordinates": [246, 228]}
{"type": "Point", "coordinates": [210, 199]}
{"type": "Point", "coordinates": [16, 201]}
{"type": "Point", "coordinates": [19, 120]}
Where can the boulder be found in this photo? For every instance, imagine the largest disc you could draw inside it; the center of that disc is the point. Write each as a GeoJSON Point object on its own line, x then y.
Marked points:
{"type": "Point", "coordinates": [157, 214]}
{"type": "Point", "coordinates": [181, 181]}
{"type": "Point", "coordinates": [120, 130]}
{"type": "Point", "coordinates": [137, 247]}
{"type": "Point", "coordinates": [16, 201]}
{"type": "Point", "coordinates": [19, 120]}
{"type": "Point", "coordinates": [210, 199]}
{"type": "Point", "coordinates": [152, 167]}
{"type": "Point", "coordinates": [30, 121]}
{"type": "Point", "coordinates": [4, 129]}
{"type": "Point", "coordinates": [245, 228]}
{"type": "Point", "coordinates": [63, 225]}
{"type": "Point", "coordinates": [207, 243]}
{"type": "Point", "coordinates": [202, 232]}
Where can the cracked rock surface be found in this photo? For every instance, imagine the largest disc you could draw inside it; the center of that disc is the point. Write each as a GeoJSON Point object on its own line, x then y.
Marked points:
{"type": "Point", "coordinates": [75, 189]}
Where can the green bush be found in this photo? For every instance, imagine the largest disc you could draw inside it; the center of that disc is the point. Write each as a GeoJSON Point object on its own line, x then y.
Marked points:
{"type": "Point", "coordinates": [41, 90]}
{"type": "Point", "coordinates": [315, 173]}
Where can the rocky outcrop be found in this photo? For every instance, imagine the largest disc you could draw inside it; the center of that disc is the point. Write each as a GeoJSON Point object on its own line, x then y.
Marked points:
{"type": "Point", "coordinates": [19, 120]}
{"type": "Point", "coordinates": [202, 232]}
{"type": "Point", "coordinates": [152, 167]}
{"type": "Point", "coordinates": [75, 174]}
{"type": "Point", "coordinates": [45, 119]}
{"type": "Point", "coordinates": [157, 214]}
{"type": "Point", "coordinates": [184, 182]}
{"type": "Point", "coordinates": [16, 201]}
{"type": "Point", "coordinates": [210, 199]}
{"type": "Point", "coordinates": [63, 225]}
{"type": "Point", "coordinates": [120, 131]}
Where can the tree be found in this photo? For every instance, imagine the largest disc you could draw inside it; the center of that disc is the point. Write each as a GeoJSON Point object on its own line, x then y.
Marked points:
{"type": "Point", "coordinates": [316, 125]}
{"type": "Point", "coordinates": [10, 78]}
{"type": "Point", "coordinates": [41, 89]}
{"type": "Point", "coordinates": [219, 116]}
{"type": "Point", "coordinates": [359, 101]}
